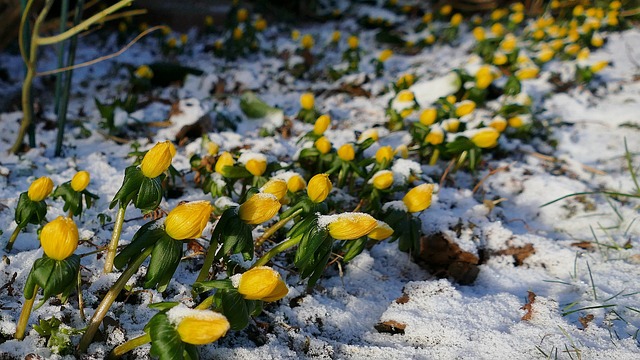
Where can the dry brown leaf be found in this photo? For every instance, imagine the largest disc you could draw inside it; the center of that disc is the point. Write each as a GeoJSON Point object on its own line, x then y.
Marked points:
{"type": "Point", "coordinates": [402, 299]}
{"type": "Point", "coordinates": [528, 307]}
{"type": "Point", "coordinates": [442, 256]}
{"type": "Point", "coordinates": [585, 320]}
{"type": "Point", "coordinates": [519, 253]}
{"type": "Point", "coordinates": [390, 327]}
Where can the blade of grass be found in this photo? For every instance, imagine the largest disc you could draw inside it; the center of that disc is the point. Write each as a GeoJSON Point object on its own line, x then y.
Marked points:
{"type": "Point", "coordinates": [634, 177]}
{"type": "Point", "coordinates": [589, 308]}
{"type": "Point", "coordinates": [612, 193]}
{"type": "Point", "coordinates": [593, 284]}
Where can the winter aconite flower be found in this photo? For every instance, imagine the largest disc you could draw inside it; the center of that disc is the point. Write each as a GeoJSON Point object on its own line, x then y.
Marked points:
{"type": "Point", "coordinates": [259, 208]}
{"type": "Point", "coordinates": [256, 166]}
{"type": "Point", "coordinates": [226, 159]}
{"type": "Point", "coordinates": [385, 55]}
{"type": "Point", "coordinates": [143, 72]}
{"type": "Point", "coordinates": [381, 231]}
{"type": "Point", "coordinates": [200, 327]}
{"type": "Point", "coordinates": [276, 187]}
{"type": "Point", "coordinates": [418, 198]}
{"type": "Point", "coordinates": [321, 124]}
{"type": "Point", "coordinates": [382, 179]}
{"type": "Point", "coordinates": [59, 238]}
{"type": "Point", "coordinates": [428, 116]}
{"type": "Point", "coordinates": [296, 183]}
{"type": "Point", "coordinates": [484, 77]}
{"type": "Point", "coordinates": [465, 107]}
{"type": "Point", "coordinates": [80, 180]}
{"type": "Point", "coordinates": [307, 101]}
{"type": "Point", "coordinates": [323, 145]}
{"type": "Point", "coordinates": [346, 152]}
{"type": "Point", "coordinates": [319, 188]}
{"type": "Point", "coordinates": [158, 159]}
{"type": "Point", "coordinates": [40, 189]}
{"type": "Point", "coordinates": [353, 42]}
{"type": "Point", "coordinates": [351, 226]}
{"type": "Point", "coordinates": [435, 136]}
{"type": "Point", "coordinates": [307, 41]}
{"type": "Point", "coordinates": [262, 283]}
{"type": "Point", "coordinates": [383, 154]}
{"type": "Point", "coordinates": [187, 221]}
{"type": "Point", "coordinates": [486, 137]}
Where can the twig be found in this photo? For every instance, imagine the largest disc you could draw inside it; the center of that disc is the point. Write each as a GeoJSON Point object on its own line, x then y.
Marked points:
{"type": "Point", "coordinates": [556, 160]}
{"type": "Point", "coordinates": [446, 171]}
{"type": "Point", "coordinates": [492, 172]}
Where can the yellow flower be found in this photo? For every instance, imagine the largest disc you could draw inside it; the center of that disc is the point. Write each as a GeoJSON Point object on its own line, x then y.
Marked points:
{"type": "Point", "coordinates": [307, 41]}
{"type": "Point", "coordinates": [237, 33]}
{"type": "Point", "coordinates": [353, 42]}
{"type": "Point", "coordinates": [346, 152]}
{"type": "Point", "coordinates": [166, 30]}
{"type": "Point", "coordinates": [517, 17]}
{"type": "Point", "coordinates": [276, 187]}
{"type": "Point", "coordinates": [418, 198]}
{"type": "Point", "coordinates": [262, 283]}
{"type": "Point", "coordinates": [428, 116]}
{"type": "Point", "coordinates": [499, 123]}
{"type": "Point", "coordinates": [383, 154]}
{"type": "Point", "coordinates": [456, 20]}
{"type": "Point", "coordinates": [143, 72]}
{"type": "Point", "coordinates": [572, 49]}
{"type": "Point", "coordinates": [381, 231]}
{"type": "Point", "coordinates": [321, 125]}
{"type": "Point", "coordinates": [598, 66]}
{"type": "Point", "coordinates": [451, 125]}
{"type": "Point", "coordinates": [319, 187]}
{"type": "Point", "coordinates": [40, 189]}
{"type": "Point", "coordinates": [385, 55]}
{"type": "Point", "coordinates": [242, 15]}
{"type": "Point", "coordinates": [382, 179]}
{"type": "Point", "coordinates": [188, 220]}
{"type": "Point", "coordinates": [200, 327]}
{"type": "Point", "coordinates": [484, 77]}
{"type": "Point", "coordinates": [479, 34]}
{"type": "Point", "coordinates": [578, 11]}
{"type": "Point", "coordinates": [615, 5]}
{"type": "Point", "coordinates": [508, 44]}
{"type": "Point", "coordinates": [335, 36]}
{"type": "Point", "coordinates": [351, 225]}
{"type": "Point", "coordinates": [497, 29]}
{"type": "Point", "coordinates": [296, 183]}
{"type": "Point", "coordinates": [259, 208]}
{"type": "Point", "coordinates": [583, 54]}
{"type": "Point", "coordinates": [208, 20]}
{"type": "Point", "coordinates": [295, 35]}
{"type": "Point", "coordinates": [527, 73]}
{"type": "Point", "coordinates": [405, 96]}
{"type": "Point", "coordinates": [545, 55]}
{"type": "Point", "coordinates": [427, 18]}
{"type": "Point", "coordinates": [465, 107]}
{"type": "Point", "coordinates": [323, 145]}
{"type": "Point", "coordinates": [158, 159]}
{"type": "Point", "coordinates": [555, 4]}
{"type": "Point", "coordinates": [402, 150]}
{"type": "Point", "coordinates": [446, 9]}
{"type": "Point", "coordinates": [486, 137]}
{"type": "Point", "coordinates": [59, 238]}
{"type": "Point", "coordinates": [80, 180]}
{"type": "Point", "coordinates": [256, 166]}
{"type": "Point", "coordinates": [212, 148]}
{"type": "Point", "coordinates": [368, 134]}
{"type": "Point", "coordinates": [307, 101]}
{"type": "Point", "coordinates": [596, 40]}
{"type": "Point", "coordinates": [184, 38]}
{"type": "Point", "coordinates": [226, 159]}
{"type": "Point", "coordinates": [172, 42]}
{"type": "Point", "coordinates": [260, 24]}
{"type": "Point", "coordinates": [435, 136]}
{"type": "Point", "coordinates": [515, 122]}
{"type": "Point", "coordinates": [498, 14]}
{"type": "Point", "coordinates": [612, 18]}
{"type": "Point", "coordinates": [406, 79]}
{"type": "Point", "coordinates": [499, 58]}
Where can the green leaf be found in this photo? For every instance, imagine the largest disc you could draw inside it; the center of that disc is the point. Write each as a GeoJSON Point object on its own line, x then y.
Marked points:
{"type": "Point", "coordinates": [130, 186]}
{"type": "Point", "coordinates": [313, 253]}
{"type": "Point", "coordinates": [191, 352]}
{"type": "Point", "coordinates": [234, 235]}
{"type": "Point", "coordinates": [235, 172]}
{"type": "Point", "coordinates": [459, 145]}
{"type": "Point", "coordinates": [255, 108]}
{"type": "Point", "coordinates": [165, 340]}
{"type": "Point", "coordinates": [164, 305]}
{"type": "Point", "coordinates": [353, 248]}
{"type": "Point", "coordinates": [146, 236]}
{"type": "Point", "coordinates": [234, 307]}
{"type": "Point", "coordinates": [165, 259]}
{"type": "Point", "coordinates": [202, 286]}
{"type": "Point", "coordinates": [149, 193]}
{"type": "Point", "coordinates": [28, 211]}
{"type": "Point", "coordinates": [72, 199]}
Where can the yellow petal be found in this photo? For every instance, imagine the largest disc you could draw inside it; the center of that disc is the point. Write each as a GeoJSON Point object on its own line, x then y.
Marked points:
{"type": "Point", "coordinates": [418, 198]}
{"type": "Point", "coordinates": [188, 220]}
{"type": "Point", "coordinates": [80, 180]}
{"type": "Point", "coordinates": [59, 238]}
{"type": "Point", "coordinates": [259, 208]}
{"type": "Point", "coordinates": [262, 283]}
{"type": "Point", "coordinates": [346, 152]}
{"type": "Point", "coordinates": [276, 187]}
{"type": "Point", "coordinates": [202, 327]}
{"type": "Point", "coordinates": [40, 189]}
{"type": "Point", "coordinates": [319, 188]}
{"type": "Point", "coordinates": [351, 226]}
{"type": "Point", "coordinates": [381, 231]}
{"type": "Point", "coordinates": [158, 159]}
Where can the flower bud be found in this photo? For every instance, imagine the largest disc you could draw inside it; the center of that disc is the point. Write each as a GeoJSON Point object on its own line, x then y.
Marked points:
{"type": "Point", "coordinates": [486, 137]}
{"type": "Point", "coordinates": [260, 24]}
{"type": "Point", "coordinates": [465, 107]}
{"type": "Point", "coordinates": [323, 145]}
{"type": "Point", "coordinates": [275, 187]}
{"type": "Point", "coordinates": [435, 136]}
{"type": "Point", "coordinates": [256, 167]}
{"type": "Point", "coordinates": [527, 73]}
{"type": "Point", "coordinates": [484, 77]}
{"type": "Point", "coordinates": [346, 152]}
{"type": "Point", "coordinates": [226, 159]}
{"type": "Point", "coordinates": [158, 159]}
{"type": "Point", "coordinates": [237, 33]}
{"type": "Point", "coordinates": [383, 154]}
{"type": "Point", "coordinates": [385, 55]}
{"type": "Point", "coordinates": [259, 208]}
{"type": "Point", "coordinates": [295, 35]}
{"type": "Point", "coordinates": [428, 116]}
{"type": "Point", "coordinates": [353, 42]}
{"type": "Point", "coordinates": [262, 283]}
{"type": "Point", "coordinates": [508, 44]}
{"type": "Point", "coordinates": [335, 36]}
{"type": "Point", "coordinates": [599, 66]}
{"type": "Point", "coordinates": [200, 327]}
{"type": "Point", "coordinates": [296, 183]}
{"type": "Point", "coordinates": [402, 151]}
{"type": "Point", "coordinates": [319, 188]}
{"type": "Point", "coordinates": [307, 101]}
{"type": "Point", "coordinates": [307, 41]}
{"type": "Point", "coordinates": [499, 58]}
{"type": "Point", "coordinates": [382, 179]}
{"type": "Point", "coordinates": [40, 189]}
{"type": "Point", "coordinates": [515, 122]}
{"type": "Point", "coordinates": [59, 238]}
{"type": "Point", "coordinates": [212, 148]}
{"type": "Point", "coordinates": [381, 231]}
{"type": "Point", "coordinates": [188, 220]}
{"type": "Point", "coordinates": [370, 133]}
{"type": "Point", "coordinates": [499, 123]}
{"type": "Point", "coordinates": [143, 72]}
{"type": "Point", "coordinates": [80, 180]}
{"type": "Point", "coordinates": [242, 15]}
{"type": "Point", "coordinates": [321, 125]}
{"type": "Point", "coordinates": [456, 20]}
{"type": "Point", "coordinates": [418, 198]}
{"type": "Point", "coordinates": [479, 33]}
{"type": "Point", "coordinates": [349, 226]}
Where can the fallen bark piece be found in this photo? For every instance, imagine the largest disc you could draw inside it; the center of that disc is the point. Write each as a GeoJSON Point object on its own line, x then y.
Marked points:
{"type": "Point", "coordinates": [390, 327]}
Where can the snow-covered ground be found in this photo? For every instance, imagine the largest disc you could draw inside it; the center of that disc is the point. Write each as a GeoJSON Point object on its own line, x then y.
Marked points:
{"type": "Point", "coordinates": [441, 319]}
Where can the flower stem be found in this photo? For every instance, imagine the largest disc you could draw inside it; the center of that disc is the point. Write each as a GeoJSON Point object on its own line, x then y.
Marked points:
{"type": "Point", "coordinates": [128, 346]}
{"type": "Point", "coordinates": [208, 261]}
{"type": "Point", "coordinates": [109, 298]}
{"type": "Point", "coordinates": [24, 315]}
{"type": "Point", "coordinates": [275, 227]}
{"type": "Point", "coordinates": [115, 237]}
{"type": "Point", "coordinates": [434, 157]}
{"type": "Point", "coordinates": [12, 239]}
{"type": "Point", "coordinates": [276, 250]}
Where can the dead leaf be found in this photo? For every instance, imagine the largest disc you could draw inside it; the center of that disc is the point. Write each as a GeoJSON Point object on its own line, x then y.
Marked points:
{"type": "Point", "coordinates": [402, 299]}
{"type": "Point", "coordinates": [443, 257]}
{"type": "Point", "coordinates": [585, 320]}
{"type": "Point", "coordinates": [195, 247]}
{"type": "Point", "coordinates": [519, 253]}
{"type": "Point", "coordinates": [528, 307]}
{"type": "Point", "coordinates": [390, 327]}
{"type": "Point", "coordinates": [587, 245]}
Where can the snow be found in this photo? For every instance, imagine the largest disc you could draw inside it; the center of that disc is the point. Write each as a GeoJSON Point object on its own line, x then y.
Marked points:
{"type": "Point", "coordinates": [443, 320]}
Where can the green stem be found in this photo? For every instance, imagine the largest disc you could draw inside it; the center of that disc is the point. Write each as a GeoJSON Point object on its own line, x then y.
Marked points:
{"type": "Point", "coordinates": [12, 239]}
{"type": "Point", "coordinates": [275, 227]}
{"type": "Point", "coordinates": [24, 315]}
{"type": "Point", "coordinates": [276, 250]}
{"type": "Point", "coordinates": [109, 298]}
{"type": "Point", "coordinates": [80, 300]}
{"type": "Point", "coordinates": [434, 157]}
{"type": "Point", "coordinates": [128, 346]}
{"type": "Point", "coordinates": [115, 237]}
{"type": "Point", "coordinates": [208, 261]}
